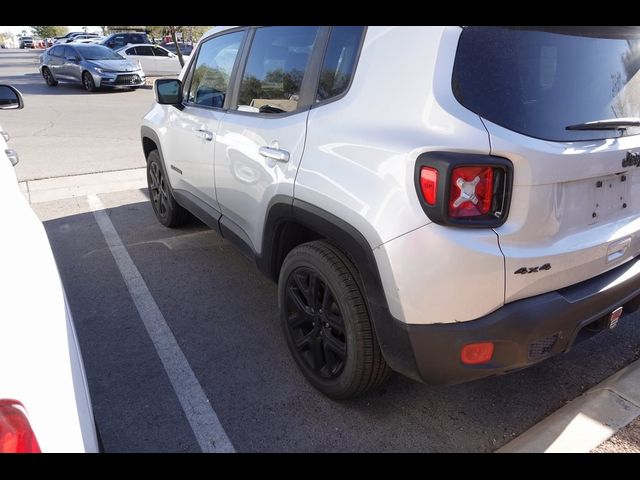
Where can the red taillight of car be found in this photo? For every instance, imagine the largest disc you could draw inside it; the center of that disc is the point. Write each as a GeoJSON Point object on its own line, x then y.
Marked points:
{"type": "Point", "coordinates": [477, 353]}
{"type": "Point", "coordinates": [464, 189]}
{"type": "Point", "coordinates": [429, 184]}
{"type": "Point", "coordinates": [16, 435]}
{"type": "Point", "coordinates": [471, 191]}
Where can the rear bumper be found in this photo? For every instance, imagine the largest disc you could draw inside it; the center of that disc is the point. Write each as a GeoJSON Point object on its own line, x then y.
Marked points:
{"type": "Point", "coordinates": [524, 332]}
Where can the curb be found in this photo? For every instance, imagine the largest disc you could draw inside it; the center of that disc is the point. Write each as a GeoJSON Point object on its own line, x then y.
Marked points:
{"type": "Point", "coordinates": [584, 423]}
{"type": "Point", "coordinates": [58, 188]}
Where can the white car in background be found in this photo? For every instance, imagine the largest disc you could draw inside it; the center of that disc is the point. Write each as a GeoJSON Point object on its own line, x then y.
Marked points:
{"type": "Point", "coordinates": [44, 399]}
{"type": "Point", "coordinates": [154, 59]}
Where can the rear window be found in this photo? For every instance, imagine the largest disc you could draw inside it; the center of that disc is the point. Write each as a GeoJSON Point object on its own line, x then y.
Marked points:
{"type": "Point", "coordinates": [539, 80]}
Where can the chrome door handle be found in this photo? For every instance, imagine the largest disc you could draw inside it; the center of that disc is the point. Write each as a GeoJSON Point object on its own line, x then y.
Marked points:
{"type": "Point", "coordinates": [206, 134]}
{"type": "Point", "coordinates": [275, 152]}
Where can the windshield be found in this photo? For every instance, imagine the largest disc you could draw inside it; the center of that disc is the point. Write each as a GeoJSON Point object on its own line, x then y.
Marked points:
{"type": "Point", "coordinates": [539, 80]}
{"type": "Point", "coordinates": [98, 52]}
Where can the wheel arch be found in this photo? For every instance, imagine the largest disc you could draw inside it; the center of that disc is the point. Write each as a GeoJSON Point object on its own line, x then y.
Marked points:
{"type": "Point", "coordinates": [291, 222]}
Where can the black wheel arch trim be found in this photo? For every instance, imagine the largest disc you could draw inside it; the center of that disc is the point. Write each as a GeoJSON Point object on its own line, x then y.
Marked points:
{"type": "Point", "coordinates": [392, 336]}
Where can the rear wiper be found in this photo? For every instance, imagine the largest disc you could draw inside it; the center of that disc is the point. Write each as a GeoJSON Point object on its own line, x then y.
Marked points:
{"type": "Point", "coordinates": [610, 124]}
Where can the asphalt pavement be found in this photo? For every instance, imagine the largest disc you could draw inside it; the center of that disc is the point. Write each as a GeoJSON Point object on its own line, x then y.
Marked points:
{"type": "Point", "coordinates": [223, 315]}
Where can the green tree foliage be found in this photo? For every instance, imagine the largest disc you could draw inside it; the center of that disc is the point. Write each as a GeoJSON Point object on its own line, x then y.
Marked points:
{"type": "Point", "coordinates": [49, 31]}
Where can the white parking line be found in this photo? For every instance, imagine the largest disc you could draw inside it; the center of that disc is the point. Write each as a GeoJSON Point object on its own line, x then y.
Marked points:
{"type": "Point", "coordinates": [201, 416]}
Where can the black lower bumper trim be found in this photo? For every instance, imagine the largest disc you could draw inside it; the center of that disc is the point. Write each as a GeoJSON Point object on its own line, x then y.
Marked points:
{"type": "Point", "coordinates": [526, 331]}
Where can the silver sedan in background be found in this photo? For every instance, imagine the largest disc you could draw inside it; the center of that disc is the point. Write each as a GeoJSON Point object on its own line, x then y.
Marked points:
{"type": "Point", "coordinates": [94, 66]}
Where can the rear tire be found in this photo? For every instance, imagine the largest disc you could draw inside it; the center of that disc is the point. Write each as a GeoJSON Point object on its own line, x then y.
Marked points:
{"type": "Point", "coordinates": [167, 210]}
{"type": "Point", "coordinates": [48, 77]}
{"type": "Point", "coordinates": [326, 323]}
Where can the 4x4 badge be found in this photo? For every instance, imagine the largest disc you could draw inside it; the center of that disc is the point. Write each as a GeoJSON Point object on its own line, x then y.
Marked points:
{"type": "Point", "coordinates": [631, 160]}
{"type": "Point", "coordinates": [525, 270]}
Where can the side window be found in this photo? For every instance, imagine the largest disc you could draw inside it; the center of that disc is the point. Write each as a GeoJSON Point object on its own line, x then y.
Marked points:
{"type": "Point", "coordinates": [213, 69]}
{"type": "Point", "coordinates": [131, 51]}
{"type": "Point", "coordinates": [57, 51]}
{"type": "Point", "coordinates": [275, 68]}
{"type": "Point", "coordinates": [160, 52]}
{"type": "Point", "coordinates": [339, 61]}
{"type": "Point", "coordinates": [144, 51]}
{"type": "Point", "coordinates": [135, 38]}
{"type": "Point", "coordinates": [69, 53]}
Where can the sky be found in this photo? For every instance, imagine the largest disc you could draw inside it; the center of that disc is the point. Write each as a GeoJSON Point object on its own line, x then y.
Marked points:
{"type": "Point", "coordinates": [18, 29]}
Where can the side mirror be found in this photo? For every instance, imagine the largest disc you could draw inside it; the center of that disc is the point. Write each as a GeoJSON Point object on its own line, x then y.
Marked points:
{"type": "Point", "coordinates": [10, 98]}
{"type": "Point", "coordinates": [168, 91]}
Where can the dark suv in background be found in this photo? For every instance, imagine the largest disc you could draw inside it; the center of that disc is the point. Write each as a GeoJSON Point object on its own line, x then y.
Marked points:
{"type": "Point", "coordinates": [117, 40]}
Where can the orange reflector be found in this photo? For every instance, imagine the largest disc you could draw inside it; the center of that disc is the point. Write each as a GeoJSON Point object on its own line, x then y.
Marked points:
{"type": "Point", "coordinates": [476, 353]}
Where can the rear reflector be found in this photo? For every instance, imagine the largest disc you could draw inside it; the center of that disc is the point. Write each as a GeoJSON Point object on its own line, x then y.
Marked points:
{"type": "Point", "coordinates": [429, 184]}
{"type": "Point", "coordinates": [476, 353]}
{"type": "Point", "coordinates": [16, 435]}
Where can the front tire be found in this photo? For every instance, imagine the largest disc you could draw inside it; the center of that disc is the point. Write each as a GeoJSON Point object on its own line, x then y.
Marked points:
{"type": "Point", "coordinates": [167, 210]}
{"type": "Point", "coordinates": [88, 83]}
{"type": "Point", "coordinates": [326, 323]}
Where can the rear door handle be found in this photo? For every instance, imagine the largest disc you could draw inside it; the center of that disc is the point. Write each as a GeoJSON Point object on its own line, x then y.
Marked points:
{"type": "Point", "coordinates": [206, 134]}
{"type": "Point", "coordinates": [275, 152]}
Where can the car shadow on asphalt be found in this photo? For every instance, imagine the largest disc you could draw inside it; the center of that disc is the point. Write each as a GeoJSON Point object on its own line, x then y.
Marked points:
{"type": "Point", "coordinates": [224, 315]}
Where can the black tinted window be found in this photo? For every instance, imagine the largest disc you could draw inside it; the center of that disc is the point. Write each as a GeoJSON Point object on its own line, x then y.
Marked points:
{"type": "Point", "coordinates": [538, 82]}
{"type": "Point", "coordinates": [275, 69]}
{"type": "Point", "coordinates": [213, 69]}
{"type": "Point", "coordinates": [339, 61]}
{"type": "Point", "coordinates": [160, 52]}
{"type": "Point", "coordinates": [144, 51]}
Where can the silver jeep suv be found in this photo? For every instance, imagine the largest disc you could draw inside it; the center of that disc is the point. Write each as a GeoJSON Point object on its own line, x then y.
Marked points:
{"type": "Point", "coordinates": [446, 202]}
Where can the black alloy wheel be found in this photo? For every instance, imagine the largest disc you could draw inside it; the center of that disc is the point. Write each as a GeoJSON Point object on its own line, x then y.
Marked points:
{"type": "Point", "coordinates": [158, 190]}
{"type": "Point", "coordinates": [167, 210]}
{"type": "Point", "coordinates": [315, 323]}
{"type": "Point", "coordinates": [326, 322]}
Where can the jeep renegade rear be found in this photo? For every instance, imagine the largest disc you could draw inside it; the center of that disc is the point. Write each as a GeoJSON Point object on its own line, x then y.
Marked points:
{"type": "Point", "coordinates": [446, 202]}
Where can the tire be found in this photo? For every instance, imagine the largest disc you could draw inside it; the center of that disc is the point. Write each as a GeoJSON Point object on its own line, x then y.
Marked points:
{"type": "Point", "coordinates": [329, 332]}
{"type": "Point", "coordinates": [48, 77]}
{"type": "Point", "coordinates": [88, 83]}
{"type": "Point", "coordinates": [167, 210]}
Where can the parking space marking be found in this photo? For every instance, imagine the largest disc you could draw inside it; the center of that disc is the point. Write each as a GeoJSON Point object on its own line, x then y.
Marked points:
{"type": "Point", "coordinates": [203, 419]}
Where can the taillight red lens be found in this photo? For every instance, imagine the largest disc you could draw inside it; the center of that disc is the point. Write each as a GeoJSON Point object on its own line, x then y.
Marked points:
{"type": "Point", "coordinates": [471, 192]}
{"type": "Point", "coordinates": [16, 435]}
{"type": "Point", "coordinates": [429, 184]}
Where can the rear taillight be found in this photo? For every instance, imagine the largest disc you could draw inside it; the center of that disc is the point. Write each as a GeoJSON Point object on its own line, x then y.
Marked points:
{"type": "Point", "coordinates": [429, 184]}
{"type": "Point", "coordinates": [464, 189]}
{"type": "Point", "coordinates": [471, 192]}
{"type": "Point", "coordinates": [16, 435]}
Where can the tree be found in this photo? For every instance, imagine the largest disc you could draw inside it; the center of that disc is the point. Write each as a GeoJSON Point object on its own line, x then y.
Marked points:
{"type": "Point", "coordinates": [49, 31]}
{"type": "Point", "coordinates": [172, 30]}
{"type": "Point", "coordinates": [5, 37]}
